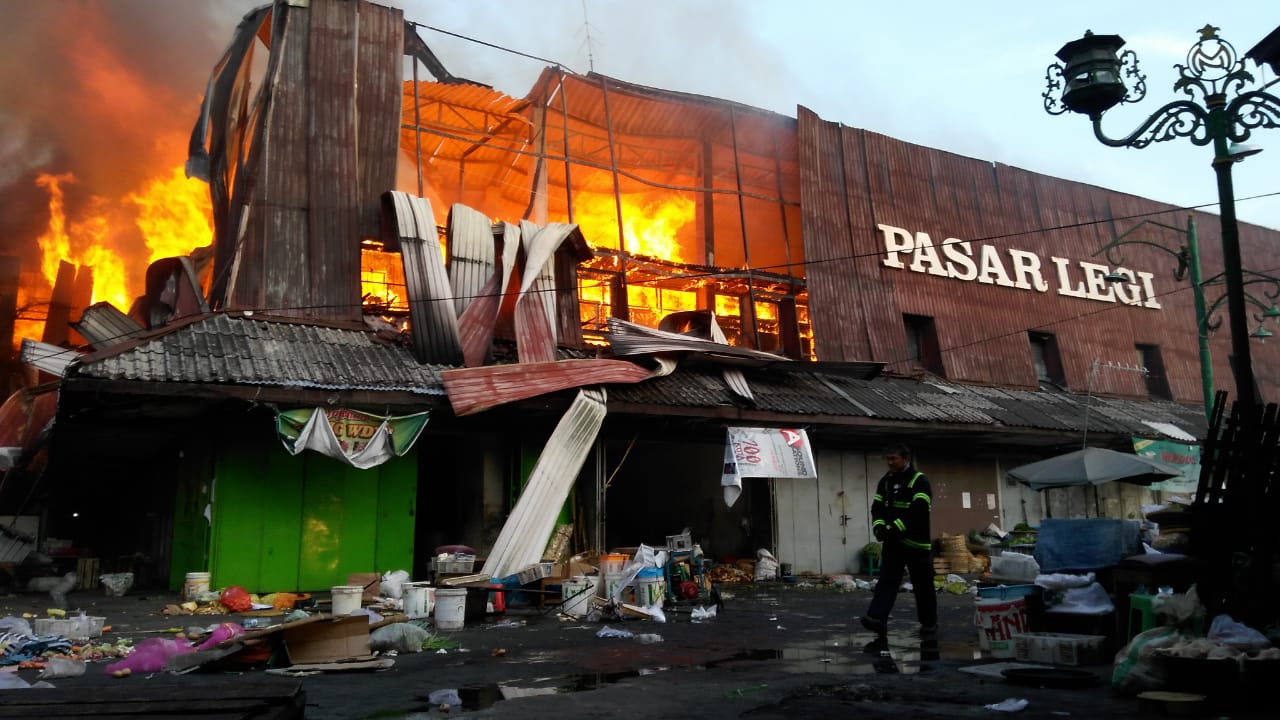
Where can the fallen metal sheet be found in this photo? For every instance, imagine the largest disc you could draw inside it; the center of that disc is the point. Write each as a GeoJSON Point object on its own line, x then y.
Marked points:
{"type": "Point", "coordinates": [628, 338]}
{"type": "Point", "coordinates": [529, 526]}
{"type": "Point", "coordinates": [472, 390]}
{"type": "Point", "coordinates": [52, 359]}
{"type": "Point", "coordinates": [471, 254]}
{"type": "Point", "coordinates": [103, 325]}
{"type": "Point", "coordinates": [434, 323]}
{"type": "Point", "coordinates": [477, 323]}
{"type": "Point", "coordinates": [535, 305]}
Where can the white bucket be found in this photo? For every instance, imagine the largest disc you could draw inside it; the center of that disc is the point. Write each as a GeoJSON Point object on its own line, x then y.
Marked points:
{"type": "Point", "coordinates": [651, 588]}
{"type": "Point", "coordinates": [576, 592]}
{"type": "Point", "coordinates": [417, 599]}
{"type": "Point", "coordinates": [195, 584]}
{"type": "Point", "coordinates": [451, 608]}
{"type": "Point", "coordinates": [998, 621]}
{"type": "Point", "coordinates": [612, 582]}
{"type": "Point", "coordinates": [346, 598]}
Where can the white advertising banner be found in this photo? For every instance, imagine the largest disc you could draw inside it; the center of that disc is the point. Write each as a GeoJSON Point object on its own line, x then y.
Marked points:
{"type": "Point", "coordinates": [764, 452]}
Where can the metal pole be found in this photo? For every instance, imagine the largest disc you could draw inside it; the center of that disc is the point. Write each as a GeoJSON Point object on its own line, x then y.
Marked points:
{"type": "Point", "coordinates": [1202, 322]}
{"type": "Point", "coordinates": [1241, 362]}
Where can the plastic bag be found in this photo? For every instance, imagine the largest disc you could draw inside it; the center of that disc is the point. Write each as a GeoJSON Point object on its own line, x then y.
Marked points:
{"type": "Point", "coordinates": [393, 583]}
{"type": "Point", "coordinates": [235, 599]}
{"type": "Point", "coordinates": [766, 565]}
{"type": "Point", "coordinates": [1179, 607]}
{"type": "Point", "coordinates": [16, 625]}
{"type": "Point", "coordinates": [400, 637]}
{"type": "Point", "coordinates": [444, 697]}
{"type": "Point", "coordinates": [1136, 667]}
{"type": "Point", "coordinates": [608, 632]}
{"type": "Point", "coordinates": [62, 668]}
{"type": "Point", "coordinates": [1226, 630]}
{"type": "Point", "coordinates": [151, 655]}
{"type": "Point", "coordinates": [1008, 705]}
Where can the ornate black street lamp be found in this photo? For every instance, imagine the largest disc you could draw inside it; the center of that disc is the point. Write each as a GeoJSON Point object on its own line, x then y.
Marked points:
{"type": "Point", "coordinates": [1092, 81]}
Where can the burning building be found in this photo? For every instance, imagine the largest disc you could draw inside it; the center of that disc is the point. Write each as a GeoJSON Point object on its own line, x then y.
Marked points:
{"type": "Point", "coordinates": [432, 245]}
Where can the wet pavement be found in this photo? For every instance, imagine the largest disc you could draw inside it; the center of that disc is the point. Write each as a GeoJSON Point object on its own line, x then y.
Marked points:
{"type": "Point", "coordinates": [775, 650]}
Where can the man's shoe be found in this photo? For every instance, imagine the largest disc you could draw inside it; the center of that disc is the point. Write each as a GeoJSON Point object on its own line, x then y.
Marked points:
{"type": "Point", "coordinates": [878, 627]}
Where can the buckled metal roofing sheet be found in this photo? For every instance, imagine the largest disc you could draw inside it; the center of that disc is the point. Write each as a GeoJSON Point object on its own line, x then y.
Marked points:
{"type": "Point", "coordinates": [233, 349]}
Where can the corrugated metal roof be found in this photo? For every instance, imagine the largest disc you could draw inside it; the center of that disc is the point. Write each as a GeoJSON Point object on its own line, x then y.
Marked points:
{"type": "Point", "coordinates": [234, 349]}
{"type": "Point", "coordinates": [800, 390]}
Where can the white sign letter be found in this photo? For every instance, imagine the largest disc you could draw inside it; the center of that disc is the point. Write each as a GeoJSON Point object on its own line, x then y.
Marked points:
{"type": "Point", "coordinates": [926, 254]}
{"type": "Point", "coordinates": [993, 268]}
{"type": "Point", "coordinates": [959, 253]}
{"type": "Point", "coordinates": [896, 240]}
{"type": "Point", "coordinates": [1026, 266]}
{"type": "Point", "coordinates": [1064, 282]}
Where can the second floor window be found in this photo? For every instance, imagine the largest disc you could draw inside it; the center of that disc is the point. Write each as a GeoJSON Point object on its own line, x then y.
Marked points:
{"type": "Point", "coordinates": [923, 350]}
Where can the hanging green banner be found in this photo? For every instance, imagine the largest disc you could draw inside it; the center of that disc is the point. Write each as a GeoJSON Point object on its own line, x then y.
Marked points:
{"type": "Point", "coordinates": [357, 438]}
{"type": "Point", "coordinates": [1180, 455]}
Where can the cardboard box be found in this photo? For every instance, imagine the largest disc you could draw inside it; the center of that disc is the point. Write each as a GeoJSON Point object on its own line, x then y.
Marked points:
{"type": "Point", "coordinates": [327, 640]}
{"type": "Point", "coordinates": [371, 582]}
{"type": "Point", "coordinates": [535, 572]}
{"type": "Point", "coordinates": [1058, 648]}
{"type": "Point", "coordinates": [573, 568]}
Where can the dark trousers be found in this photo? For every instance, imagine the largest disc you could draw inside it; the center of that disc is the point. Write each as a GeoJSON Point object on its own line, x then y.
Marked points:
{"type": "Point", "coordinates": [894, 558]}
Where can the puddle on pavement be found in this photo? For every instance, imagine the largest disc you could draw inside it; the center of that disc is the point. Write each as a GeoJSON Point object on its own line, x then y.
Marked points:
{"type": "Point", "coordinates": [904, 653]}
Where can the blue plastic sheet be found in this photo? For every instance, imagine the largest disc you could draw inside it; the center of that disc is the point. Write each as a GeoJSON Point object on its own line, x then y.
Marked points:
{"type": "Point", "coordinates": [1065, 545]}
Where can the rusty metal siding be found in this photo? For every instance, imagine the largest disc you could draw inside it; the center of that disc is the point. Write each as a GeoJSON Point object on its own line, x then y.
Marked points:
{"type": "Point", "coordinates": [983, 328]}
{"type": "Point", "coordinates": [379, 97]}
{"type": "Point", "coordinates": [332, 174]}
{"type": "Point", "coordinates": [270, 268]}
{"type": "Point", "coordinates": [835, 307]}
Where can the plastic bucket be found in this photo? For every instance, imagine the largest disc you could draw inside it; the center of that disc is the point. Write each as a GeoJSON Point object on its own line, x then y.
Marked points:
{"type": "Point", "coordinates": [194, 585]}
{"type": "Point", "coordinates": [417, 599]}
{"type": "Point", "coordinates": [451, 608]}
{"type": "Point", "coordinates": [613, 586]}
{"type": "Point", "coordinates": [651, 587]}
{"type": "Point", "coordinates": [612, 564]}
{"type": "Point", "coordinates": [998, 621]}
{"type": "Point", "coordinates": [576, 594]}
{"type": "Point", "coordinates": [346, 598]}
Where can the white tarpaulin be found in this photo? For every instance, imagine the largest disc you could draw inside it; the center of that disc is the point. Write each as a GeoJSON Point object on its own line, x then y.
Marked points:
{"type": "Point", "coordinates": [359, 439]}
{"type": "Point", "coordinates": [764, 452]}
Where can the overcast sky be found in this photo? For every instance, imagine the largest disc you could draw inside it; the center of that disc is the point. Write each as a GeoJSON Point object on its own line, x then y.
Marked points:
{"type": "Point", "coordinates": [963, 77]}
{"type": "Point", "coordinates": [107, 90]}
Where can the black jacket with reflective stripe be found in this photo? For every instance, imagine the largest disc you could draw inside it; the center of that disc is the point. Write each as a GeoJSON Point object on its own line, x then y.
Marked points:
{"type": "Point", "coordinates": [903, 500]}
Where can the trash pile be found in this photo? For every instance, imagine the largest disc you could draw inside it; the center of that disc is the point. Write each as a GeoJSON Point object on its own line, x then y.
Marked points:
{"type": "Point", "coordinates": [57, 645]}
{"type": "Point", "coordinates": [1230, 659]}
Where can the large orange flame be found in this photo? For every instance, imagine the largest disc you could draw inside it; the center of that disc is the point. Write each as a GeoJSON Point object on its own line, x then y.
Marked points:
{"type": "Point", "coordinates": [172, 215]}
{"type": "Point", "coordinates": [651, 224]}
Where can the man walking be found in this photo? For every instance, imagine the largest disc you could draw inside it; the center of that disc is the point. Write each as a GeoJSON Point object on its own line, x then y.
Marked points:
{"type": "Point", "coordinates": [900, 520]}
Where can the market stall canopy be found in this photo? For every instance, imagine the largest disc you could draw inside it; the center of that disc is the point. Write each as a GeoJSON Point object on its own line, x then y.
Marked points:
{"type": "Point", "coordinates": [1092, 466]}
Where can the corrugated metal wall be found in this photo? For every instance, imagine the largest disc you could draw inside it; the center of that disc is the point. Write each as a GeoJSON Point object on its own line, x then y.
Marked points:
{"type": "Point", "coordinates": [326, 151]}
{"type": "Point", "coordinates": [853, 180]}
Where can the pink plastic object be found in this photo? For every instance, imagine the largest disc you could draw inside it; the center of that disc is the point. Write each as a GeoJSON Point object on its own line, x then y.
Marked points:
{"type": "Point", "coordinates": [222, 633]}
{"type": "Point", "coordinates": [151, 655]}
